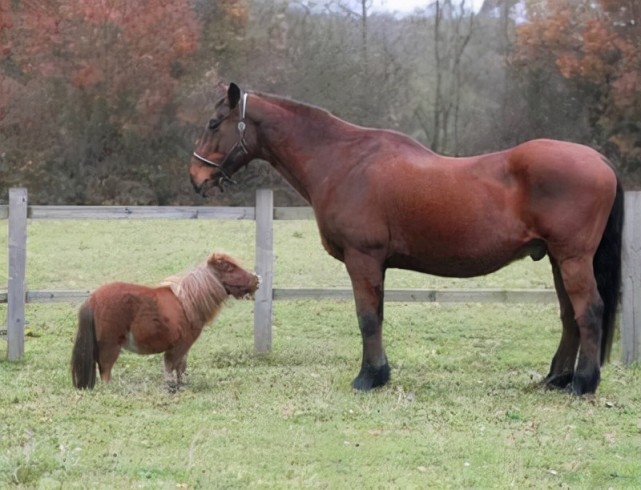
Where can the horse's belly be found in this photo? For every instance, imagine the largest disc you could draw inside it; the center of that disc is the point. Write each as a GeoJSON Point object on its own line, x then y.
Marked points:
{"type": "Point", "coordinates": [468, 262]}
{"type": "Point", "coordinates": [453, 267]}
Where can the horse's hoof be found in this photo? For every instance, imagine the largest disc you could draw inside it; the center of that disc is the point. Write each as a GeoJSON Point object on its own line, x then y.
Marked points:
{"type": "Point", "coordinates": [558, 381]}
{"type": "Point", "coordinates": [584, 385]}
{"type": "Point", "coordinates": [371, 377]}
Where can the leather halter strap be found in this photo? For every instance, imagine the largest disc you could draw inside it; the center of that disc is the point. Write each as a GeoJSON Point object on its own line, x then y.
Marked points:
{"type": "Point", "coordinates": [204, 160]}
{"type": "Point", "coordinates": [241, 144]}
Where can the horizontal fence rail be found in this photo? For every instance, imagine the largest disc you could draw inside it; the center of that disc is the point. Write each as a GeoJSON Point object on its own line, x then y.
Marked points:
{"type": "Point", "coordinates": [264, 213]}
{"type": "Point", "coordinates": [514, 296]}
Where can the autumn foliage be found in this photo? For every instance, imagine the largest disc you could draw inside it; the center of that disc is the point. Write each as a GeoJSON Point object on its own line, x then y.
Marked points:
{"type": "Point", "coordinates": [84, 87]}
{"type": "Point", "coordinates": [596, 47]}
{"type": "Point", "coordinates": [101, 100]}
{"type": "Point", "coordinates": [119, 50]}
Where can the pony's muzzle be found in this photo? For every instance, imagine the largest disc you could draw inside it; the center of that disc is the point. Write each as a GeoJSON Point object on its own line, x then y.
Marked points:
{"type": "Point", "coordinates": [250, 294]}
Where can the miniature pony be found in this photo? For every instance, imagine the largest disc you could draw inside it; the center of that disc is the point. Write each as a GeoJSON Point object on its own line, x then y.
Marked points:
{"type": "Point", "coordinates": [150, 320]}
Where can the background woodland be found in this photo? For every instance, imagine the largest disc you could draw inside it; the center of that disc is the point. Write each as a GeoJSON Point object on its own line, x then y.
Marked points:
{"type": "Point", "coordinates": [101, 101]}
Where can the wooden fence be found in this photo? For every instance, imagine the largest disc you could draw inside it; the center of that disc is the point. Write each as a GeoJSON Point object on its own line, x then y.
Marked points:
{"type": "Point", "coordinates": [18, 212]}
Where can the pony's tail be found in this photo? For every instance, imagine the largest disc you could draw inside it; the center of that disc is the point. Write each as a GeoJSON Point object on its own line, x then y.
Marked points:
{"type": "Point", "coordinates": [85, 350]}
{"type": "Point", "coordinates": [607, 270]}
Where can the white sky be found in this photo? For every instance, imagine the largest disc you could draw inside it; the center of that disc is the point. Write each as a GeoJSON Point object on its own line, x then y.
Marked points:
{"type": "Point", "coordinates": [408, 6]}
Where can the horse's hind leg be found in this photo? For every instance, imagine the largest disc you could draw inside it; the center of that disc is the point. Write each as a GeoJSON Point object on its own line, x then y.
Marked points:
{"type": "Point", "coordinates": [562, 366]}
{"type": "Point", "coordinates": [580, 285]}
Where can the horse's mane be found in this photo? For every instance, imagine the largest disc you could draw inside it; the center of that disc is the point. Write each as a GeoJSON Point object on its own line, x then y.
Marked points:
{"type": "Point", "coordinates": [311, 112]}
{"type": "Point", "coordinates": [200, 293]}
{"type": "Point", "coordinates": [302, 108]}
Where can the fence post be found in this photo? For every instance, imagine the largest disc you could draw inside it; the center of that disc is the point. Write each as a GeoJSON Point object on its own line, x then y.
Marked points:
{"type": "Point", "coordinates": [263, 305]}
{"type": "Point", "coordinates": [631, 287]}
{"type": "Point", "coordinates": [17, 267]}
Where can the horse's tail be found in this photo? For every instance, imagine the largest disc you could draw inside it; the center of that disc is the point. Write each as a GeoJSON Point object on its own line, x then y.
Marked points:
{"type": "Point", "coordinates": [607, 270]}
{"type": "Point", "coordinates": [85, 350]}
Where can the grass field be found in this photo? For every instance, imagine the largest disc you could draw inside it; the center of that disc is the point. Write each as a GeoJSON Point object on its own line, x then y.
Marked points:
{"type": "Point", "coordinates": [462, 410]}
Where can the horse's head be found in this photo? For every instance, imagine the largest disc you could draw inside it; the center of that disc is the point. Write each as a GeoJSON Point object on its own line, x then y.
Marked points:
{"type": "Point", "coordinates": [225, 144]}
{"type": "Point", "coordinates": [237, 281]}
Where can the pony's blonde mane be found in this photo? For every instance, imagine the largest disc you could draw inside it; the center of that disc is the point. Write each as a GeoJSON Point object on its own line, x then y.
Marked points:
{"type": "Point", "coordinates": [200, 293]}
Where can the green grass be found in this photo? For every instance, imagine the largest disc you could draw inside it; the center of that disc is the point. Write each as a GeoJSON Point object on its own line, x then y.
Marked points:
{"type": "Point", "coordinates": [462, 409]}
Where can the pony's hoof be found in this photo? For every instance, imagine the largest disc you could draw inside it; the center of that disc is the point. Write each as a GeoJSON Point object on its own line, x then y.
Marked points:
{"type": "Point", "coordinates": [371, 377]}
{"type": "Point", "coordinates": [173, 387]}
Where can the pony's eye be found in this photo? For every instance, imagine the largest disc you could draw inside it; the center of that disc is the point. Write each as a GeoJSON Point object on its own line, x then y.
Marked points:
{"type": "Point", "coordinates": [214, 123]}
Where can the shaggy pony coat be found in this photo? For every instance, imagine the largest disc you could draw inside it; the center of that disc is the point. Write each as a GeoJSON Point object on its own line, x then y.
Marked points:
{"type": "Point", "coordinates": [150, 320]}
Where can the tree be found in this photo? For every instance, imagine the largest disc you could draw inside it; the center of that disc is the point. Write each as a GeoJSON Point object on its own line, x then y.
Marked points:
{"type": "Point", "coordinates": [102, 76]}
{"type": "Point", "coordinates": [452, 27]}
{"type": "Point", "coordinates": [596, 47]}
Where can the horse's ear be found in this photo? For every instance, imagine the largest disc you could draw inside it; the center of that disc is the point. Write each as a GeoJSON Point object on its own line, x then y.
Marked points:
{"type": "Point", "coordinates": [233, 95]}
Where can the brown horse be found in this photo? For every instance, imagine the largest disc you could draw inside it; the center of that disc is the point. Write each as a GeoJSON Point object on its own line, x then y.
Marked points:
{"type": "Point", "coordinates": [383, 200]}
{"type": "Point", "coordinates": [151, 320]}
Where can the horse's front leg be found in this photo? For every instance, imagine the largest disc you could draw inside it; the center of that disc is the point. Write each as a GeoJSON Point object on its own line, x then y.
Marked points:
{"type": "Point", "coordinates": [367, 275]}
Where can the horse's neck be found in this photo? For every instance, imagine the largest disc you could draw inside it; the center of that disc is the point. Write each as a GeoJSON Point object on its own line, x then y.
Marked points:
{"type": "Point", "coordinates": [296, 139]}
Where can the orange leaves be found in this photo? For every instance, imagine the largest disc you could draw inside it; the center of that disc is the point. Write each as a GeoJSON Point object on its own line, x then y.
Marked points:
{"type": "Point", "coordinates": [98, 12]}
{"type": "Point", "coordinates": [6, 23]}
{"type": "Point", "coordinates": [86, 76]}
{"type": "Point", "coordinates": [556, 30]}
{"type": "Point", "coordinates": [583, 39]}
{"type": "Point", "coordinates": [77, 34]}
{"type": "Point", "coordinates": [568, 64]}
{"type": "Point", "coordinates": [236, 10]}
{"type": "Point", "coordinates": [596, 37]}
{"type": "Point", "coordinates": [6, 20]}
{"type": "Point", "coordinates": [126, 53]}
{"type": "Point", "coordinates": [595, 46]}
{"type": "Point", "coordinates": [185, 42]}
{"type": "Point", "coordinates": [627, 89]}
{"type": "Point", "coordinates": [551, 33]}
{"type": "Point", "coordinates": [162, 29]}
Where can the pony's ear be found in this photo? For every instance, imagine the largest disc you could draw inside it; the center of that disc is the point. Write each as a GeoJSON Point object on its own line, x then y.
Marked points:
{"type": "Point", "coordinates": [233, 95]}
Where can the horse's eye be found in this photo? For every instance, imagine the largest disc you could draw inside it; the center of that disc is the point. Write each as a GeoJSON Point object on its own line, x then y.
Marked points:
{"type": "Point", "coordinates": [214, 123]}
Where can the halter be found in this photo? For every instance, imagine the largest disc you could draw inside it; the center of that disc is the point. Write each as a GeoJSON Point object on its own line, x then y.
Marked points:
{"type": "Point", "coordinates": [241, 145]}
